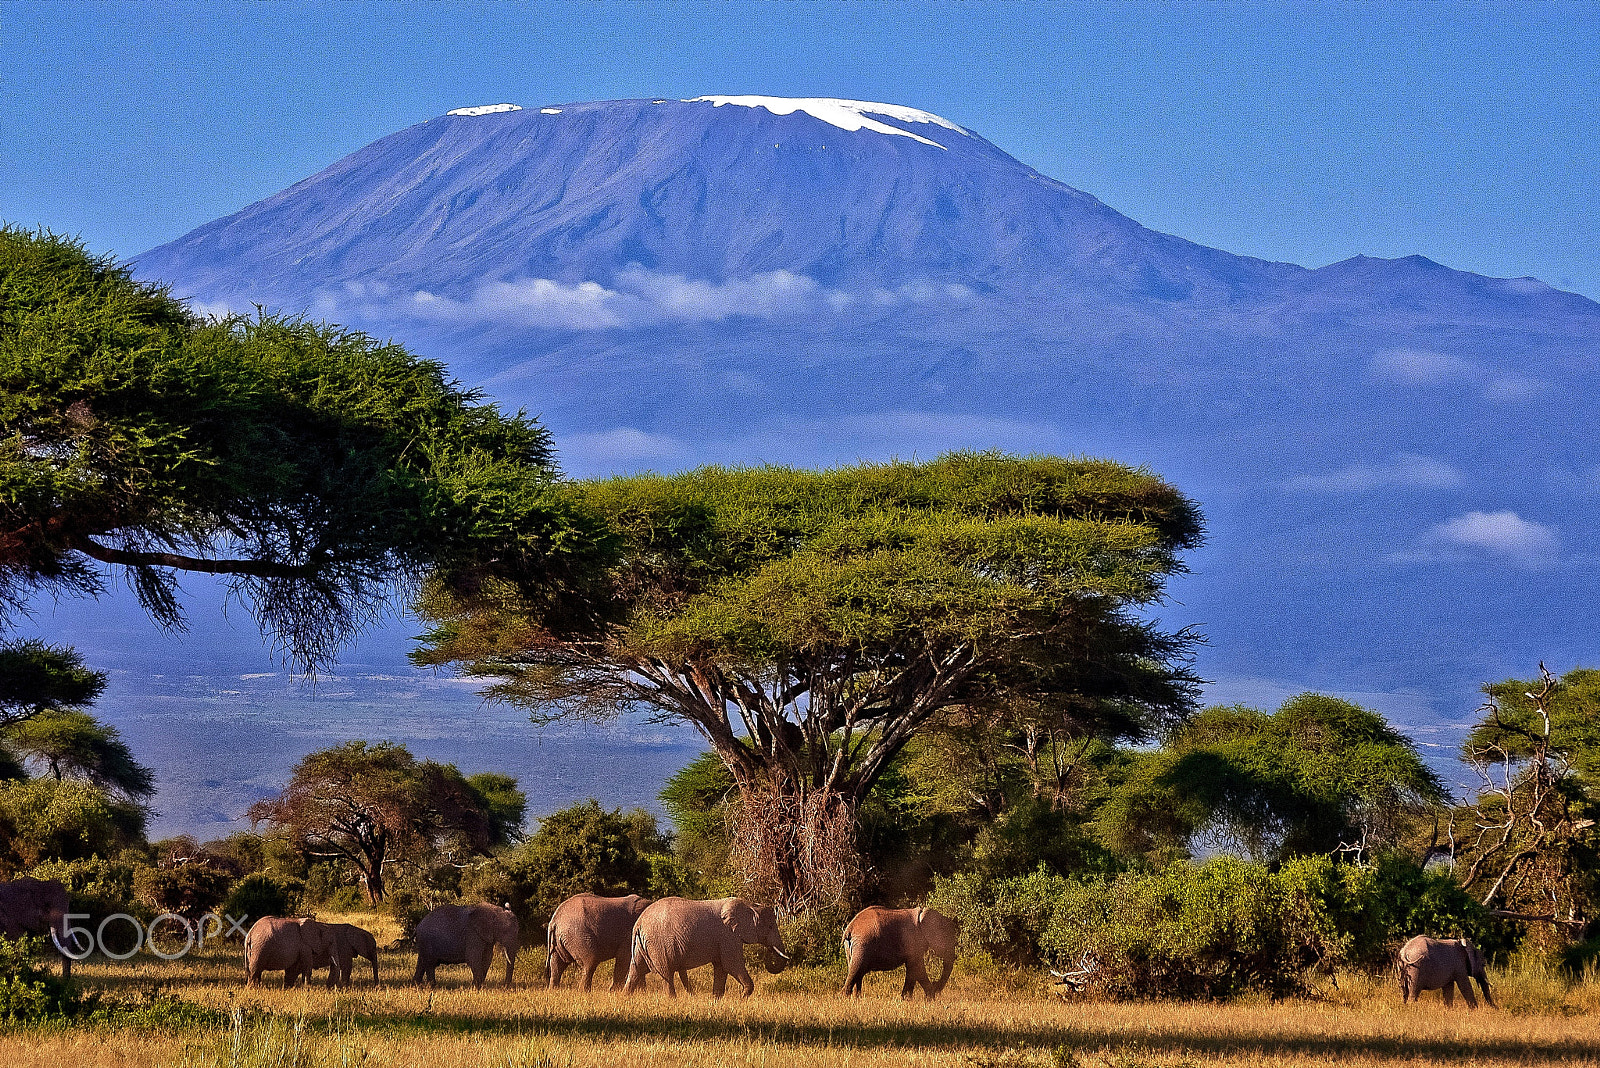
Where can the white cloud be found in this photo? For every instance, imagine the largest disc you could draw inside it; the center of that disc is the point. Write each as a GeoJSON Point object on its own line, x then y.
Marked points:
{"type": "Point", "coordinates": [1504, 534]}
{"type": "Point", "coordinates": [1415, 367]}
{"type": "Point", "coordinates": [635, 297]}
{"type": "Point", "coordinates": [622, 448]}
{"type": "Point", "coordinates": [1404, 470]}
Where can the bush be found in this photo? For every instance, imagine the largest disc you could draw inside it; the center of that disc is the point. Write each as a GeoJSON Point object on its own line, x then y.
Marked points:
{"type": "Point", "coordinates": [1214, 930]}
{"type": "Point", "coordinates": [189, 889]}
{"type": "Point", "coordinates": [580, 849]}
{"type": "Point", "coordinates": [29, 994]}
{"type": "Point", "coordinates": [260, 895]}
{"type": "Point", "coordinates": [97, 888]}
{"type": "Point", "coordinates": [408, 906]}
{"type": "Point", "coordinates": [815, 937]}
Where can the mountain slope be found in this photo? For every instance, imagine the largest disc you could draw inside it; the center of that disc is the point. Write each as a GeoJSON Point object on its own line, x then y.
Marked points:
{"type": "Point", "coordinates": [1396, 457]}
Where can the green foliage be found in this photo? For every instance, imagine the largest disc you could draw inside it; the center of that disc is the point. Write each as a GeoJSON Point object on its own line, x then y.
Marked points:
{"type": "Point", "coordinates": [1209, 931]}
{"type": "Point", "coordinates": [36, 678]}
{"type": "Point", "coordinates": [42, 819]}
{"type": "Point", "coordinates": [70, 743]}
{"type": "Point", "coordinates": [28, 993]}
{"type": "Point", "coordinates": [317, 469]}
{"type": "Point", "coordinates": [1317, 774]}
{"type": "Point", "coordinates": [368, 805]}
{"type": "Point", "coordinates": [580, 849]}
{"type": "Point", "coordinates": [260, 894]}
{"type": "Point", "coordinates": [189, 889]}
{"type": "Point", "coordinates": [503, 804]}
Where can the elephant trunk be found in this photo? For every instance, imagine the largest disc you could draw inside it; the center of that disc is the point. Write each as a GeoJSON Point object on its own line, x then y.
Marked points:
{"type": "Point", "coordinates": [776, 960]}
{"type": "Point", "coordinates": [1483, 985]}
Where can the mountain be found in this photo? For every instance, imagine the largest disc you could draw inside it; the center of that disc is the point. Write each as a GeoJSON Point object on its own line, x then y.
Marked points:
{"type": "Point", "coordinates": [1397, 459]}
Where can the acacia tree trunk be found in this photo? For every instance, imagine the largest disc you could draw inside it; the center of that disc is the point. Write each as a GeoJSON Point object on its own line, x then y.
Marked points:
{"type": "Point", "coordinates": [794, 845]}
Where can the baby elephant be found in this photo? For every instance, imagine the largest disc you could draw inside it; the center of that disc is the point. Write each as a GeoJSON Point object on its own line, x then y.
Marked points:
{"type": "Point", "coordinates": [587, 929]}
{"type": "Point", "coordinates": [1442, 964]}
{"type": "Point", "coordinates": [293, 946]}
{"type": "Point", "coordinates": [880, 940]}
{"type": "Point", "coordinates": [350, 942]}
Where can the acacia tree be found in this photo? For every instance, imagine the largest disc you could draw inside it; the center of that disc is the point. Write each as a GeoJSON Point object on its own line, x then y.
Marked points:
{"type": "Point", "coordinates": [318, 471]}
{"type": "Point", "coordinates": [1527, 842]}
{"type": "Point", "coordinates": [72, 744]}
{"type": "Point", "coordinates": [1320, 775]}
{"type": "Point", "coordinates": [36, 678]}
{"type": "Point", "coordinates": [809, 624]}
{"type": "Point", "coordinates": [373, 805]}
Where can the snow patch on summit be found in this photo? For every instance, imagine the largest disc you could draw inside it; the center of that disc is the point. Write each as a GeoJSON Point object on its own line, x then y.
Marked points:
{"type": "Point", "coordinates": [486, 109]}
{"type": "Point", "coordinates": [845, 114]}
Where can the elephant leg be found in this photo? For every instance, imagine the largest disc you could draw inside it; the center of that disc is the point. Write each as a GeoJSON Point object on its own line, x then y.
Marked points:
{"type": "Point", "coordinates": [637, 970]}
{"type": "Point", "coordinates": [672, 991]}
{"type": "Point", "coordinates": [480, 969]}
{"type": "Point", "coordinates": [1466, 991]}
{"type": "Point", "coordinates": [719, 980]}
{"type": "Point", "coordinates": [915, 974]}
{"type": "Point", "coordinates": [588, 976]}
{"type": "Point", "coordinates": [619, 972]}
{"type": "Point", "coordinates": [688, 987]}
{"type": "Point", "coordinates": [555, 966]}
{"type": "Point", "coordinates": [1449, 994]}
{"type": "Point", "coordinates": [422, 971]}
{"type": "Point", "coordinates": [853, 978]}
{"type": "Point", "coordinates": [747, 984]}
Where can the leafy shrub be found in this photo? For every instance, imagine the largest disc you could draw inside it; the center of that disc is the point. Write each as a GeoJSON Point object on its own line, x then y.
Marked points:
{"type": "Point", "coordinates": [815, 937]}
{"type": "Point", "coordinates": [324, 880]}
{"type": "Point", "coordinates": [97, 888]}
{"type": "Point", "coordinates": [189, 889]}
{"type": "Point", "coordinates": [1005, 918]}
{"type": "Point", "coordinates": [28, 993]}
{"type": "Point", "coordinates": [408, 906]}
{"type": "Point", "coordinates": [581, 849]}
{"type": "Point", "coordinates": [260, 895]}
{"type": "Point", "coordinates": [1212, 930]}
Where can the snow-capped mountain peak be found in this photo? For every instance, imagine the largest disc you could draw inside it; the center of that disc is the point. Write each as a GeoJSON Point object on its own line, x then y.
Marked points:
{"type": "Point", "coordinates": [849, 115]}
{"type": "Point", "coordinates": [486, 109]}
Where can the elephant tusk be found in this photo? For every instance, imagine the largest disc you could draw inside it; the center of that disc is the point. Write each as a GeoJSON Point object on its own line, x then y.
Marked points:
{"type": "Point", "coordinates": [780, 953]}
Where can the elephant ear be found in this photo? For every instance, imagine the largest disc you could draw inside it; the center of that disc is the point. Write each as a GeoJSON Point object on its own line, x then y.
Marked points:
{"type": "Point", "coordinates": [738, 916]}
{"type": "Point", "coordinates": [485, 924]}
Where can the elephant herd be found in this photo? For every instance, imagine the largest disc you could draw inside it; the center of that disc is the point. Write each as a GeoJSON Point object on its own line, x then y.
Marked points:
{"type": "Point", "coordinates": [666, 938]}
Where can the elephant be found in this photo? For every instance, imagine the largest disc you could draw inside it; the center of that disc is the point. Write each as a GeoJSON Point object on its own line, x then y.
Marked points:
{"type": "Point", "coordinates": [880, 940]}
{"type": "Point", "coordinates": [296, 946]}
{"type": "Point", "coordinates": [1442, 964]}
{"type": "Point", "coordinates": [674, 935]}
{"type": "Point", "coordinates": [466, 934]}
{"type": "Point", "coordinates": [586, 929]}
{"type": "Point", "coordinates": [351, 942]}
{"type": "Point", "coordinates": [39, 907]}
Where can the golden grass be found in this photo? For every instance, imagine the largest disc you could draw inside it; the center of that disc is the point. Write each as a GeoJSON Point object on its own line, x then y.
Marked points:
{"type": "Point", "coordinates": [796, 1019]}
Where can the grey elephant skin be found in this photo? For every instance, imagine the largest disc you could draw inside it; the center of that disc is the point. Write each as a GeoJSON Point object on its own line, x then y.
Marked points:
{"type": "Point", "coordinates": [675, 935]}
{"type": "Point", "coordinates": [1442, 964]}
{"type": "Point", "coordinates": [880, 940]}
{"type": "Point", "coordinates": [349, 942]}
{"type": "Point", "coordinates": [587, 929]}
{"type": "Point", "coordinates": [295, 947]}
{"type": "Point", "coordinates": [466, 934]}
{"type": "Point", "coordinates": [31, 906]}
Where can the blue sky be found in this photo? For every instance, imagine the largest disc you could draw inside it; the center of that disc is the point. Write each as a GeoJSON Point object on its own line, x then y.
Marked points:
{"type": "Point", "coordinates": [1301, 132]}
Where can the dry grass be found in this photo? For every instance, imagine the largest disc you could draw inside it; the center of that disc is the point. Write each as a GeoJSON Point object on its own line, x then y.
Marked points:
{"type": "Point", "coordinates": [797, 1019]}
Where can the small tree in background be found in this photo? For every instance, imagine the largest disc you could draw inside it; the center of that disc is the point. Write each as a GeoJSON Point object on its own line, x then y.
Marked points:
{"type": "Point", "coordinates": [36, 678]}
{"type": "Point", "coordinates": [72, 744]}
{"type": "Point", "coordinates": [1528, 844]}
{"type": "Point", "coordinates": [373, 805]}
{"type": "Point", "coordinates": [1320, 775]}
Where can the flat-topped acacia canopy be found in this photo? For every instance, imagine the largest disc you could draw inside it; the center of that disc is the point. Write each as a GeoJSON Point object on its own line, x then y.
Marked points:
{"type": "Point", "coordinates": [317, 469]}
{"type": "Point", "coordinates": [807, 623]}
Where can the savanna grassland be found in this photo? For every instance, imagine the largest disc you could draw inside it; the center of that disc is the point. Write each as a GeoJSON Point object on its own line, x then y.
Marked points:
{"type": "Point", "coordinates": [793, 1019]}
